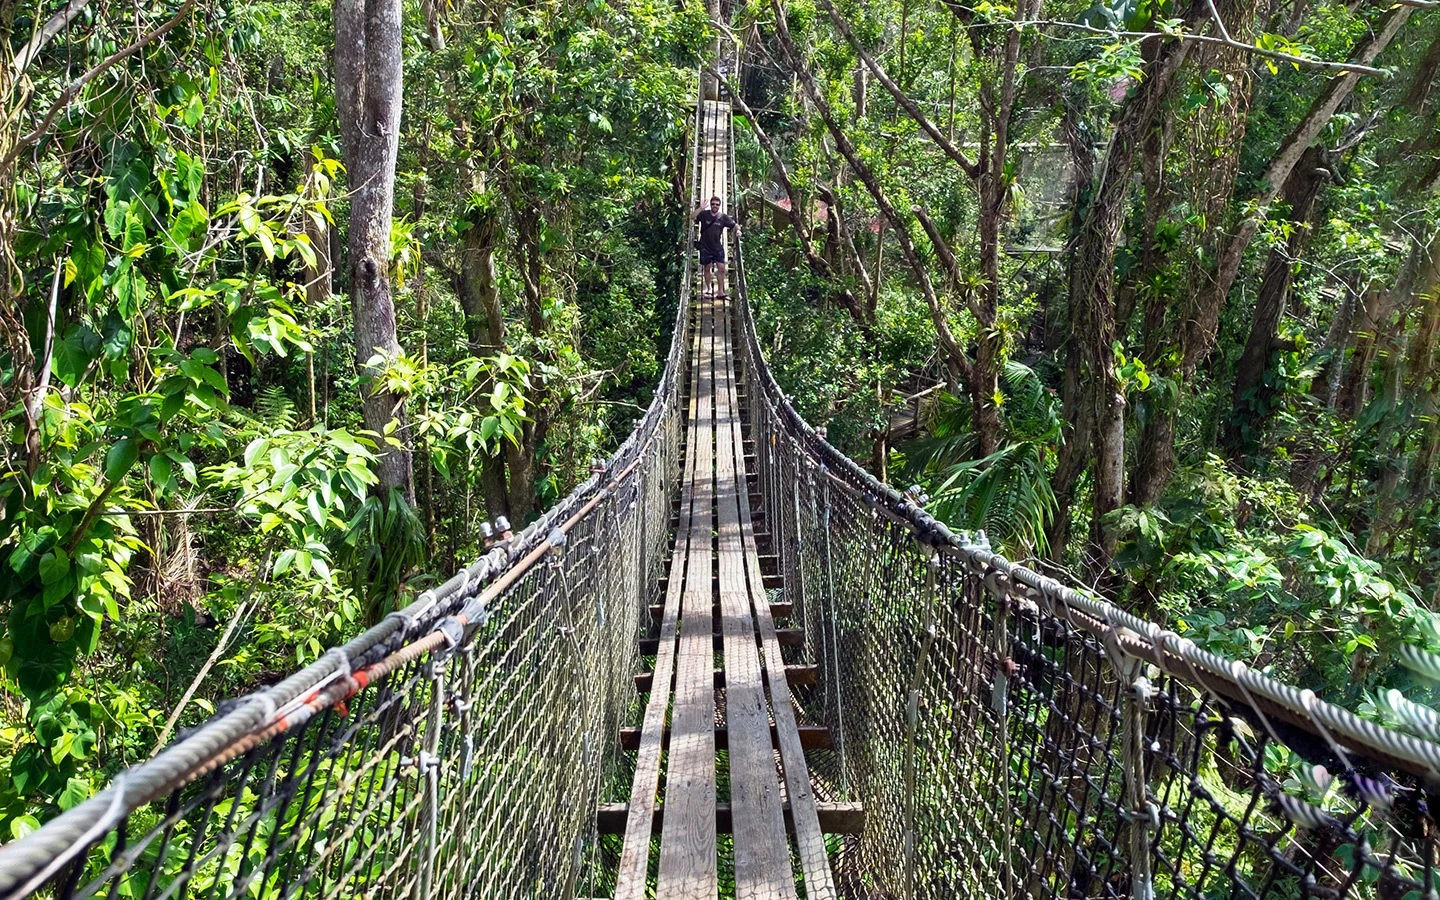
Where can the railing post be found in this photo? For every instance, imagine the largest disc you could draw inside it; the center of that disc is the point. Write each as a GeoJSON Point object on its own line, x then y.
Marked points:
{"type": "Point", "coordinates": [1141, 814]}
{"type": "Point", "coordinates": [428, 764]}
{"type": "Point", "coordinates": [912, 717]}
{"type": "Point", "coordinates": [827, 560]}
{"type": "Point", "coordinates": [642, 504]}
{"type": "Point", "coordinates": [998, 586]}
{"type": "Point", "coordinates": [799, 610]}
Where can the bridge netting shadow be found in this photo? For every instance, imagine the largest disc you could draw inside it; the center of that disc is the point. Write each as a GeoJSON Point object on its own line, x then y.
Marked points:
{"type": "Point", "coordinates": [942, 722]}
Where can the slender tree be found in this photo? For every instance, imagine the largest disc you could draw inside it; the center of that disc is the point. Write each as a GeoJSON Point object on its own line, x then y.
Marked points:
{"type": "Point", "coordinates": [368, 91]}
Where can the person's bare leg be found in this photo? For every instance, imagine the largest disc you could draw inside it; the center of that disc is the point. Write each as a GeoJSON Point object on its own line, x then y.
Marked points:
{"type": "Point", "coordinates": [705, 280]}
{"type": "Point", "coordinates": [721, 289]}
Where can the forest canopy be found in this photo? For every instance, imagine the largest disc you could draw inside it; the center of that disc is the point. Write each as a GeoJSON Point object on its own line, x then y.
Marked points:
{"type": "Point", "coordinates": [302, 300]}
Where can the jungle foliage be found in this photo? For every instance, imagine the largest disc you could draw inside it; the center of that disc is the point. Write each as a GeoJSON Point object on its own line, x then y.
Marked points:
{"type": "Point", "coordinates": [1166, 276]}
{"type": "Point", "coordinates": [295, 297]}
{"type": "Point", "coordinates": [195, 494]}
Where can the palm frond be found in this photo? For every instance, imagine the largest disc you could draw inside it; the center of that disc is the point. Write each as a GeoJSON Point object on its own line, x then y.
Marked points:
{"type": "Point", "coordinates": [1006, 493]}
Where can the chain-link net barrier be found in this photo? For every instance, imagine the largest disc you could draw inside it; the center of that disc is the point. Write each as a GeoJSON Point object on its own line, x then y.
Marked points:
{"type": "Point", "coordinates": [1011, 737]}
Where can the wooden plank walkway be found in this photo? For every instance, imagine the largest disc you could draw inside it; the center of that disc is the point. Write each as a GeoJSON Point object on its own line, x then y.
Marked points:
{"type": "Point", "coordinates": [716, 567]}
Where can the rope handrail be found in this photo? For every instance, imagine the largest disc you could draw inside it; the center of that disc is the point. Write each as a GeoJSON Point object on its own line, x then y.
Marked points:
{"type": "Point", "coordinates": [1178, 655]}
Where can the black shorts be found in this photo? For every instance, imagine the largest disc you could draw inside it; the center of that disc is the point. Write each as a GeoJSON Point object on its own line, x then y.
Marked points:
{"type": "Point", "coordinates": [711, 256]}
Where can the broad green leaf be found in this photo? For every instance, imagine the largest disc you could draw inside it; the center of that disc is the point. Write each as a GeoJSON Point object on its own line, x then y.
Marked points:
{"type": "Point", "coordinates": [120, 458]}
{"type": "Point", "coordinates": [23, 825]}
{"type": "Point", "coordinates": [54, 566]}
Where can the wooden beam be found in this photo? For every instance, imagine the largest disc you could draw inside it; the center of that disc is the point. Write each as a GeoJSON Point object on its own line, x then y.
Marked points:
{"type": "Point", "coordinates": [772, 582]}
{"type": "Point", "coordinates": [789, 637]}
{"type": "Point", "coordinates": [835, 818]}
{"type": "Point", "coordinates": [813, 737]}
{"type": "Point", "coordinates": [795, 675]}
{"type": "Point", "coordinates": [777, 611]}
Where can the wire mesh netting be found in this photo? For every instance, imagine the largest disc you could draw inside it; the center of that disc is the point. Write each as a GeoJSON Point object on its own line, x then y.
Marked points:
{"type": "Point", "coordinates": [1010, 737]}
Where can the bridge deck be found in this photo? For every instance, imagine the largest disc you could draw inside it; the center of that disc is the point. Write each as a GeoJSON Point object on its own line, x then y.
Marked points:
{"type": "Point", "coordinates": [716, 565]}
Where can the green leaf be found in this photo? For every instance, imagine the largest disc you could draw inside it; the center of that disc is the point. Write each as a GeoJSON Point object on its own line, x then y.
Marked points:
{"type": "Point", "coordinates": [161, 471]}
{"type": "Point", "coordinates": [130, 293]}
{"type": "Point", "coordinates": [267, 241]}
{"type": "Point", "coordinates": [120, 458]}
{"type": "Point", "coordinates": [194, 111]}
{"type": "Point", "coordinates": [115, 215]}
{"type": "Point", "coordinates": [283, 562]}
{"type": "Point", "coordinates": [74, 353]}
{"type": "Point", "coordinates": [317, 512]}
{"type": "Point", "coordinates": [249, 220]}
{"type": "Point", "coordinates": [77, 791]}
{"type": "Point", "coordinates": [54, 566]}
{"type": "Point", "coordinates": [23, 825]}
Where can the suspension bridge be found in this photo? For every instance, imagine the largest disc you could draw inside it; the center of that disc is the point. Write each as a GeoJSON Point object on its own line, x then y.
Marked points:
{"type": "Point", "coordinates": [733, 664]}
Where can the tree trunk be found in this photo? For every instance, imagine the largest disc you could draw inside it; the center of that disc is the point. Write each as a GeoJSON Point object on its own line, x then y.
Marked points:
{"type": "Point", "coordinates": [368, 77]}
{"type": "Point", "coordinates": [1199, 332]}
{"type": "Point", "coordinates": [479, 295]}
{"type": "Point", "coordinates": [478, 287]}
{"type": "Point", "coordinates": [1250, 401]}
{"type": "Point", "coordinates": [1092, 285]}
{"type": "Point", "coordinates": [1423, 374]}
{"type": "Point", "coordinates": [1168, 352]}
{"type": "Point", "coordinates": [1072, 457]}
{"type": "Point", "coordinates": [1355, 388]}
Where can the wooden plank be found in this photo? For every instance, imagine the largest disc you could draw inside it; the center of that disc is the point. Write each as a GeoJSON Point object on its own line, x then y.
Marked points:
{"type": "Point", "coordinates": [809, 838]}
{"type": "Point", "coordinates": [762, 850]}
{"type": "Point", "coordinates": [812, 737]}
{"type": "Point", "coordinates": [688, 865]}
{"type": "Point", "coordinates": [798, 675]}
{"type": "Point", "coordinates": [775, 582]}
{"type": "Point", "coordinates": [788, 637]}
{"type": "Point", "coordinates": [777, 611]}
{"type": "Point", "coordinates": [633, 871]}
{"type": "Point", "coordinates": [835, 818]}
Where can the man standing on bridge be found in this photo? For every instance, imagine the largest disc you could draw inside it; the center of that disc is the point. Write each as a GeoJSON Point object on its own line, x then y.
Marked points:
{"type": "Point", "coordinates": [712, 247]}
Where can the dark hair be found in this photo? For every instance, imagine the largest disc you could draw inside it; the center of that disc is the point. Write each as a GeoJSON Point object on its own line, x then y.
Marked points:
{"type": "Point", "coordinates": [715, 200]}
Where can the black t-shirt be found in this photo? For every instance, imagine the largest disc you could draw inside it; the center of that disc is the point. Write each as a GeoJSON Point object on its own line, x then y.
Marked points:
{"type": "Point", "coordinates": [712, 230]}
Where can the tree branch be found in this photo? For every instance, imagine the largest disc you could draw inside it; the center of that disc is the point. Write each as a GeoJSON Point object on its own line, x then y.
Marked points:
{"type": "Point", "coordinates": [73, 89]}
{"type": "Point", "coordinates": [900, 96]}
{"type": "Point", "coordinates": [1350, 67]}
{"type": "Point", "coordinates": [947, 257]}
{"type": "Point", "coordinates": [53, 26]}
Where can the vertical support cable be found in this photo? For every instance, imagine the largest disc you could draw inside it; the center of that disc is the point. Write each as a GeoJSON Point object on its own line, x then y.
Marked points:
{"type": "Point", "coordinates": [797, 577]}
{"type": "Point", "coordinates": [1141, 814]}
{"type": "Point", "coordinates": [642, 555]}
{"type": "Point", "coordinates": [912, 717]}
{"type": "Point", "coordinates": [826, 559]}
{"type": "Point", "coordinates": [428, 763]}
{"type": "Point", "coordinates": [997, 583]}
